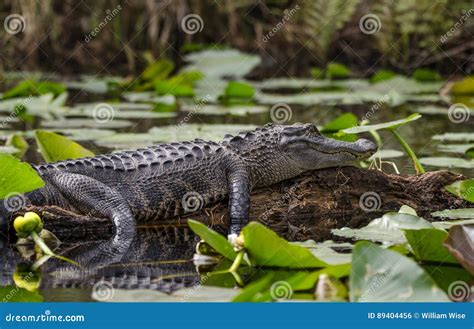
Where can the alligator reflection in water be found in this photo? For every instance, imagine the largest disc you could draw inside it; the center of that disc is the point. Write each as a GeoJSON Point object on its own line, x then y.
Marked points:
{"type": "Point", "coordinates": [159, 259]}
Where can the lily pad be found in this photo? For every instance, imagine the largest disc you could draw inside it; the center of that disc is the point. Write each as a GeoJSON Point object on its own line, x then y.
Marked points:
{"type": "Point", "coordinates": [447, 162]}
{"type": "Point", "coordinates": [387, 229]}
{"type": "Point", "coordinates": [463, 189]}
{"type": "Point", "coordinates": [387, 125]}
{"type": "Point", "coordinates": [266, 248]}
{"type": "Point", "coordinates": [15, 294]}
{"type": "Point", "coordinates": [427, 245]}
{"type": "Point", "coordinates": [17, 177]}
{"type": "Point", "coordinates": [454, 137]}
{"type": "Point", "coordinates": [214, 239]}
{"type": "Point", "coordinates": [301, 83]}
{"type": "Point", "coordinates": [467, 213]}
{"type": "Point", "coordinates": [87, 123]}
{"type": "Point", "coordinates": [463, 87]}
{"type": "Point", "coordinates": [380, 275]}
{"type": "Point", "coordinates": [54, 147]}
{"type": "Point", "coordinates": [236, 110]}
{"type": "Point", "coordinates": [455, 148]}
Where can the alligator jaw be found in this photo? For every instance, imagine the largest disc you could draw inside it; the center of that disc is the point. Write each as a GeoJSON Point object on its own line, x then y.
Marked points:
{"type": "Point", "coordinates": [360, 149]}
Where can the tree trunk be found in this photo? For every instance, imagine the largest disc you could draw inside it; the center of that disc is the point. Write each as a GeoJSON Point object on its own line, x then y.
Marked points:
{"type": "Point", "coordinates": [309, 206]}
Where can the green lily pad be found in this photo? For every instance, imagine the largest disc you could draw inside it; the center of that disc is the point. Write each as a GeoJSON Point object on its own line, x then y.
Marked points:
{"type": "Point", "coordinates": [17, 177]}
{"type": "Point", "coordinates": [343, 121]}
{"type": "Point", "coordinates": [463, 87]}
{"type": "Point", "coordinates": [11, 294]}
{"type": "Point", "coordinates": [237, 89]}
{"type": "Point", "coordinates": [266, 248]}
{"type": "Point", "coordinates": [406, 86]}
{"type": "Point", "coordinates": [427, 245]}
{"type": "Point", "coordinates": [455, 148]}
{"type": "Point", "coordinates": [463, 189]}
{"type": "Point", "coordinates": [454, 137]}
{"type": "Point", "coordinates": [447, 162]}
{"type": "Point", "coordinates": [426, 75]}
{"type": "Point", "coordinates": [301, 83]}
{"type": "Point", "coordinates": [214, 239]}
{"type": "Point", "coordinates": [446, 225]}
{"type": "Point", "coordinates": [54, 147]}
{"type": "Point", "coordinates": [87, 123]}
{"type": "Point", "coordinates": [380, 275]}
{"type": "Point", "coordinates": [382, 75]}
{"type": "Point", "coordinates": [387, 229]}
{"type": "Point", "coordinates": [337, 71]}
{"type": "Point", "coordinates": [387, 125]}
{"type": "Point", "coordinates": [467, 213]}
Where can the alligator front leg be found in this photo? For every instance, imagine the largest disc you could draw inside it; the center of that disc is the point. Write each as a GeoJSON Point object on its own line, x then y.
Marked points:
{"type": "Point", "coordinates": [239, 201]}
{"type": "Point", "coordinates": [90, 196]}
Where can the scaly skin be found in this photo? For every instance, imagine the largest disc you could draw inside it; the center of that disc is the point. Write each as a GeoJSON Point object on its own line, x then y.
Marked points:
{"type": "Point", "coordinates": [168, 180]}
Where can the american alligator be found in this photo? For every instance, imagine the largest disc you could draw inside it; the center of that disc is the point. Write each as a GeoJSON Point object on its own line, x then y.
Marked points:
{"type": "Point", "coordinates": [168, 180]}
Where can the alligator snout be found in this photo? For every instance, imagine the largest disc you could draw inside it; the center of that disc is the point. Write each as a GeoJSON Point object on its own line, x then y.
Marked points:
{"type": "Point", "coordinates": [366, 146]}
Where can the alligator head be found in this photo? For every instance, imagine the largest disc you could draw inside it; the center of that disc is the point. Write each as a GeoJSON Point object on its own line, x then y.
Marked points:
{"type": "Point", "coordinates": [304, 145]}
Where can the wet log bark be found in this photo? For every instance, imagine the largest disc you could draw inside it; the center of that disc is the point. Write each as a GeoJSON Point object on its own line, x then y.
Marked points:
{"type": "Point", "coordinates": [309, 206]}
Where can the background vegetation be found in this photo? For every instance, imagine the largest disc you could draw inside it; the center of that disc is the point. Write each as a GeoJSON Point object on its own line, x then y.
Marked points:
{"type": "Point", "coordinates": [55, 34]}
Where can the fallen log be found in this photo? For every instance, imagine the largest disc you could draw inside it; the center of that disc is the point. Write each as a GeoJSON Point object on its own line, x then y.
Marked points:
{"type": "Point", "coordinates": [309, 206]}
